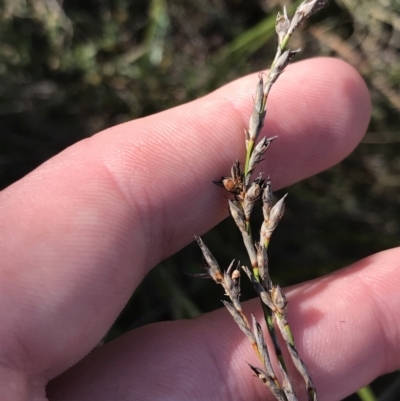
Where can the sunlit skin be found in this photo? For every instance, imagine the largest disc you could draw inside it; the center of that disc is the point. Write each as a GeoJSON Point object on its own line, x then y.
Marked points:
{"type": "Point", "coordinates": [79, 233]}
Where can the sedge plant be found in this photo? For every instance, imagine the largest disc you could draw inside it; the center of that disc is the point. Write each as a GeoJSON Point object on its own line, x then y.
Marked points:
{"type": "Point", "coordinates": [246, 192]}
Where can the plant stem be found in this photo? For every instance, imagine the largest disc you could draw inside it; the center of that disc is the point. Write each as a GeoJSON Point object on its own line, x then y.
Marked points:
{"type": "Point", "coordinates": [366, 394]}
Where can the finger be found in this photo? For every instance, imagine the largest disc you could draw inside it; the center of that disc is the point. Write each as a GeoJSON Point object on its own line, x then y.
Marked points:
{"type": "Point", "coordinates": [343, 324]}
{"type": "Point", "coordinates": [94, 219]}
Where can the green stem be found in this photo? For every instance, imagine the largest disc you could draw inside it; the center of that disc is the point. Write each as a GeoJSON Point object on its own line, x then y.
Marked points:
{"type": "Point", "coordinates": [256, 273]}
{"type": "Point", "coordinates": [287, 329]}
{"type": "Point", "coordinates": [285, 42]}
{"type": "Point", "coordinates": [272, 332]}
{"type": "Point", "coordinates": [249, 151]}
{"type": "Point", "coordinates": [366, 394]}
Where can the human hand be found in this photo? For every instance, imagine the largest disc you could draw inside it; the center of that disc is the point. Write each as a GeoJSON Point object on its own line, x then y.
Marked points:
{"type": "Point", "coordinates": [80, 232]}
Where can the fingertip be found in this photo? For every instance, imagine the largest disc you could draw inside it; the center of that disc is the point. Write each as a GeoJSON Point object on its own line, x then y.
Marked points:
{"type": "Point", "coordinates": [319, 109]}
{"type": "Point", "coordinates": [324, 109]}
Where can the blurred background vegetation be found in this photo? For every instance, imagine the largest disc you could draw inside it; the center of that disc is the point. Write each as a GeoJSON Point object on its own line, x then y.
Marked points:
{"type": "Point", "coordinates": [69, 69]}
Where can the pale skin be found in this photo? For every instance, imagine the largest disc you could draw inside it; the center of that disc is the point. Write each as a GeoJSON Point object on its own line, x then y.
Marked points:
{"type": "Point", "coordinates": [79, 233]}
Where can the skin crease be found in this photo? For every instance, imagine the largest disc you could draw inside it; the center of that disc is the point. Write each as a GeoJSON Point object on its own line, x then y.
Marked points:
{"type": "Point", "coordinates": [94, 219]}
